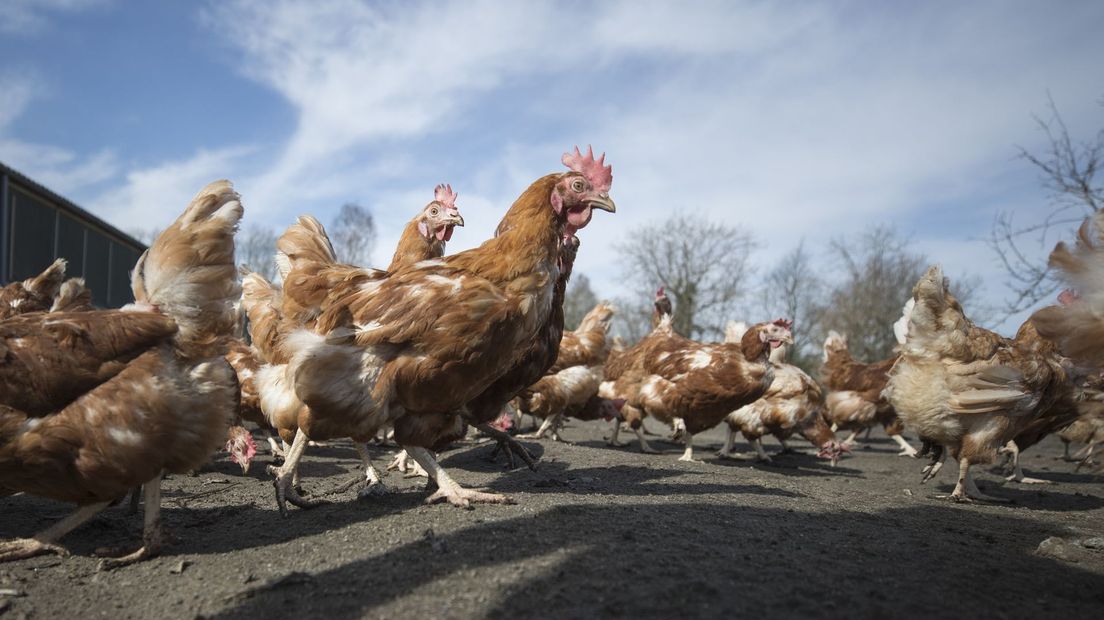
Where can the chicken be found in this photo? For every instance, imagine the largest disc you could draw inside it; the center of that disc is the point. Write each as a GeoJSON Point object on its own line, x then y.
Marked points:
{"type": "Point", "coordinates": [624, 374]}
{"type": "Point", "coordinates": [1087, 429]}
{"type": "Point", "coordinates": [1077, 324]}
{"type": "Point", "coordinates": [239, 441]}
{"type": "Point", "coordinates": [576, 374]}
{"type": "Point", "coordinates": [431, 345]}
{"type": "Point", "coordinates": [856, 402]}
{"type": "Point", "coordinates": [423, 238]}
{"type": "Point", "coordinates": [589, 344]}
{"type": "Point", "coordinates": [793, 403]}
{"type": "Point", "coordinates": [33, 294]}
{"type": "Point", "coordinates": [95, 403]}
{"type": "Point", "coordinates": [72, 296]}
{"type": "Point", "coordinates": [560, 395]}
{"type": "Point", "coordinates": [702, 383]}
{"type": "Point", "coordinates": [968, 389]}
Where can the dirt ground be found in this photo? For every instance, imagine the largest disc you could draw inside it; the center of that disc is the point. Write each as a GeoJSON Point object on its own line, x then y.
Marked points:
{"type": "Point", "coordinates": [595, 532]}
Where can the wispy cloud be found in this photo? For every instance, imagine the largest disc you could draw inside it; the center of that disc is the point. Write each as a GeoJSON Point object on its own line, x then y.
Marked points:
{"type": "Point", "coordinates": [27, 17]}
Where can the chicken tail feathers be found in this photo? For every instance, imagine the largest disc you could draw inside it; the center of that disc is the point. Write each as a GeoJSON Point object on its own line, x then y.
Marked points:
{"type": "Point", "coordinates": [304, 253]}
{"type": "Point", "coordinates": [261, 302]}
{"type": "Point", "coordinates": [72, 296]}
{"type": "Point", "coordinates": [188, 273]}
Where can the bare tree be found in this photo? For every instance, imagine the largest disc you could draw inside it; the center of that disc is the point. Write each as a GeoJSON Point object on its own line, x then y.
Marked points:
{"type": "Point", "coordinates": [703, 264]}
{"type": "Point", "coordinates": [1068, 169]}
{"type": "Point", "coordinates": [256, 247]}
{"type": "Point", "coordinates": [578, 300]}
{"type": "Point", "coordinates": [353, 234]}
{"type": "Point", "coordinates": [791, 290]}
{"type": "Point", "coordinates": [876, 274]}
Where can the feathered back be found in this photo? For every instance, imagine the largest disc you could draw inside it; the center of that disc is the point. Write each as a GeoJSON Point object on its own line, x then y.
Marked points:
{"type": "Point", "coordinates": [188, 273]}
{"type": "Point", "coordinates": [598, 318]}
{"type": "Point", "coordinates": [937, 323]}
{"type": "Point", "coordinates": [33, 294]}
{"type": "Point", "coordinates": [735, 330]}
{"type": "Point", "coordinates": [1078, 327]}
{"type": "Point", "coordinates": [73, 296]}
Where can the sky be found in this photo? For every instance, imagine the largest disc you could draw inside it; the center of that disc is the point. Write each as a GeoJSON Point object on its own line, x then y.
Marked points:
{"type": "Point", "coordinates": [793, 120]}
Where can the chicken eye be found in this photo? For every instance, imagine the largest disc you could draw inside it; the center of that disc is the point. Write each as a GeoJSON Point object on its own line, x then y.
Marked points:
{"type": "Point", "coordinates": [578, 185]}
{"type": "Point", "coordinates": [434, 211]}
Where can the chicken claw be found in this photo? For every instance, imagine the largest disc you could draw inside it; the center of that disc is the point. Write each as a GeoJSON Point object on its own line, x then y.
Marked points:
{"type": "Point", "coordinates": [462, 498]}
{"type": "Point", "coordinates": [509, 445]}
{"type": "Point", "coordinates": [286, 492]}
{"type": "Point", "coordinates": [22, 548]}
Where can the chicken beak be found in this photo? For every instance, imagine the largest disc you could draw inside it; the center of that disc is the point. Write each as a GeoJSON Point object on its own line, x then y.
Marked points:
{"type": "Point", "coordinates": [457, 220]}
{"type": "Point", "coordinates": [603, 202]}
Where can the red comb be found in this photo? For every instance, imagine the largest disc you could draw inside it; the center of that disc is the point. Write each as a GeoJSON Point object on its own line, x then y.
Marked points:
{"type": "Point", "coordinates": [599, 175]}
{"type": "Point", "coordinates": [618, 403]}
{"type": "Point", "coordinates": [659, 293]}
{"type": "Point", "coordinates": [444, 195]}
{"type": "Point", "coordinates": [784, 323]}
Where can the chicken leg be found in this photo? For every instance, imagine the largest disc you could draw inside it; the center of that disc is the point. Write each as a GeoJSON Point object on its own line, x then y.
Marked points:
{"type": "Point", "coordinates": [447, 488]}
{"type": "Point", "coordinates": [966, 489]}
{"type": "Point", "coordinates": [1017, 474]}
{"type": "Point", "coordinates": [726, 451]}
{"type": "Point", "coordinates": [152, 535]}
{"type": "Point", "coordinates": [688, 454]}
{"type": "Point", "coordinates": [507, 444]}
{"type": "Point", "coordinates": [373, 483]}
{"type": "Point", "coordinates": [286, 475]}
{"type": "Point", "coordinates": [46, 540]}
{"type": "Point", "coordinates": [906, 449]}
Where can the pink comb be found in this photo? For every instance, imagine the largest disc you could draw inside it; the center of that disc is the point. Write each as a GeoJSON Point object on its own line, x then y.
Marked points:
{"type": "Point", "coordinates": [1067, 297]}
{"type": "Point", "coordinates": [659, 293]}
{"type": "Point", "coordinates": [444, 195]}
{"type": "Point", "coordinates": [599, 175]}
{"type": "Point", "coordinates": [784, 323]}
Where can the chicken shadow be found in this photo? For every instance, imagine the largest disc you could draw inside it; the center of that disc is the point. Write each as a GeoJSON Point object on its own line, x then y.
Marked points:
{"type": "Point", "coordinates": [677, 559]}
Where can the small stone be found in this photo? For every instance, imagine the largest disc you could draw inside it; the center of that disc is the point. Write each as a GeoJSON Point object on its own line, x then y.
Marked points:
{"type": "Point", "coordinates": [908, 492]}
{"type": "Point", "coordinates": [180, 566]}
{"type": "Point", "coordinates": [1093, 543]}
{"type": "Point", "coordinates": [1056, 548]}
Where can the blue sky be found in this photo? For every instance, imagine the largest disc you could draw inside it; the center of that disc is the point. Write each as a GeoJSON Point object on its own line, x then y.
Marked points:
{"type": "Point", "coordinates": [795, 120]}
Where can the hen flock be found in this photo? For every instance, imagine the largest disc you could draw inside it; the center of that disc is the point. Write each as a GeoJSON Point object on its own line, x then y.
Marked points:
{"type": "Point", "coordinates": [98, 403]}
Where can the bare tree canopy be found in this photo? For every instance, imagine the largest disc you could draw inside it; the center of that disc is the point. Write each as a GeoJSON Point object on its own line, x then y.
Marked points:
{"type": "Point", "coordinates": [353, 234]}
{"type": "Point", "coordinates": [1068, 169]}
{"type": "Point", "coordinates": [256, 248]}
{"type": "Point", "coordinates": [876, 274]}
{"type": "Point", "coordinates": [703, 264]}
{"type": "Point", "coordinates": [578, 300]}
{"type": "Point", "coordinates": [791, 290]}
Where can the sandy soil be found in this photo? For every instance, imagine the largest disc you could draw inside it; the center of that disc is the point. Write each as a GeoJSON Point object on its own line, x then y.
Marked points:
{"type": "Point", "coordinates": [595, 532]}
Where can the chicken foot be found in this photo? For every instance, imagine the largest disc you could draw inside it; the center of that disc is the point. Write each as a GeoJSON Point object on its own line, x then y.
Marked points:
{"type": "Point", "coordinates": [153, 537]}
{"type": "Point", "coordinates": [937, 455]}
{"type": "Point", "coordinates": [760, 453]}
{"type": "Point", "coordinates": [506, 443]}
{"type": "Point", "coordinates": [401, 462]}
{"type": "Point", "coordinates": [966, 490]}
{"type": "Point", "coordinates": [906, 448]}
{"type": "Point", "coordinates": [286, 477]}
{"type": "Point", "coordinates": [46, 540]}
{"type": "Point", "coordinates": [550, 424]}
{"type": "Point", "coordinates": [1017, 474]}
{"type": "Point", "coordinates": [447, 488]}
{"type": "Point", "coordinates": [728, 450]}
{"type": "Point", "coordinates": [373, 483]}
{"type": "Point", "coordinates": [688, 453]}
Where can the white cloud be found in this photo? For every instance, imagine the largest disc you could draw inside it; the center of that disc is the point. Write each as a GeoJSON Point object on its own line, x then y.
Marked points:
{"type": "Point", "coordinates": [153, 197]}
{"type": "Point", "coordinates": [31, 16]}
